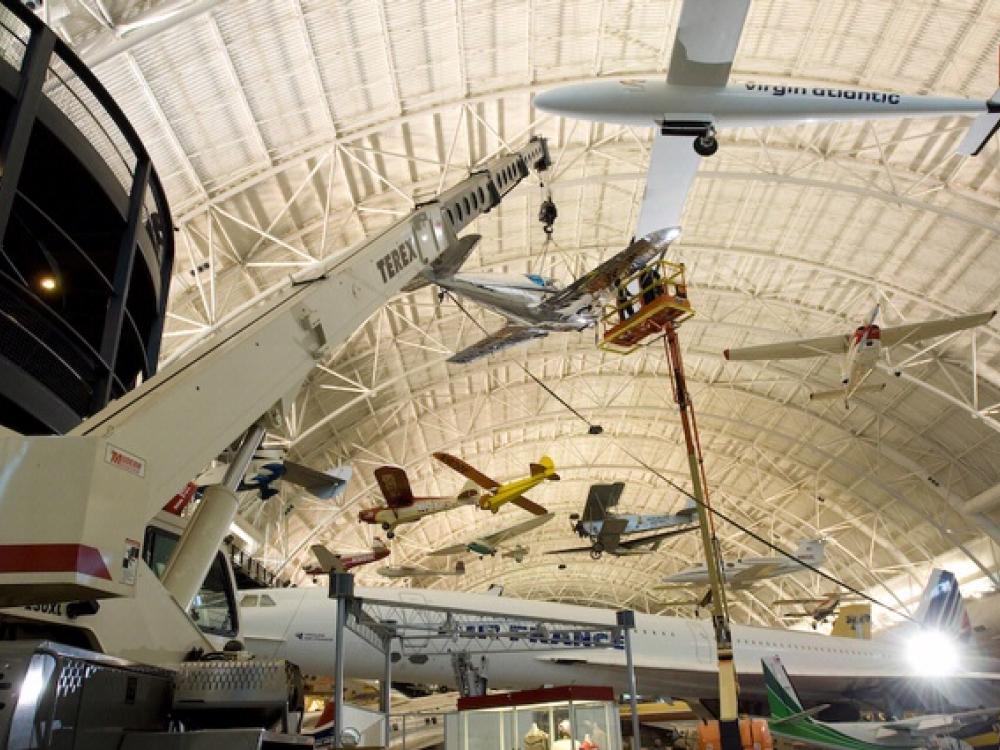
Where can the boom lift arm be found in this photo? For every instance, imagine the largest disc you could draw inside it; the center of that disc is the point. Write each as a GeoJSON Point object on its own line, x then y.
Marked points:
{"type": "Point", "coordinates": [72, 507]}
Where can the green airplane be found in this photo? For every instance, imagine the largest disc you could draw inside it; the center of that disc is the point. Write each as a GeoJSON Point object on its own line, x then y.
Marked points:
{"type": "Point", "coordinates": [790, 721]}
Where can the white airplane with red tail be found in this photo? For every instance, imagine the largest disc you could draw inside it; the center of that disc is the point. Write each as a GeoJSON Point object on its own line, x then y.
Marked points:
{"type": "Point", "coordinates": [860, 349]}
{"type": "Point", "coordinates": [333, 562]}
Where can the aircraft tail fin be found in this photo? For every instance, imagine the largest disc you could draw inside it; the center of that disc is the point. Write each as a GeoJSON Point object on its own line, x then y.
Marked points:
{"type": "Point", "coordinates": [326, 559]}
{"type": "Point", "coordinates": [843, 393]}
{"type": "Point", "coordinates": [782, 700]}
{"type": "Point", "coordinates": [446, 264]}
{"type": "Point", "coordinates": [982, 128]}
{"type": "Point", "coordinates": [599, 499]}
{"type": "Point", "coordinates": [544, 466]}
{"type": "Point", "coordinates": [941, 606]}
{"type": "Point", "coordinates": [813, 551]}
{"type": "Point", "coordinates": [853, 621]}
{"type": "Point", "coordinates": [469, 492]}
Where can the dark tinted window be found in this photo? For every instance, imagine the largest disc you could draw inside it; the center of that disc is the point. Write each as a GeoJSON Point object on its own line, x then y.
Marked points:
{"type": "Point", "coordinates": [214, 606]}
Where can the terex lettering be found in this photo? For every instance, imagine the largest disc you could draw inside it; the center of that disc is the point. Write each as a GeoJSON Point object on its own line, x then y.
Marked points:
{"type": "Point", "coordinates": [398, 258]}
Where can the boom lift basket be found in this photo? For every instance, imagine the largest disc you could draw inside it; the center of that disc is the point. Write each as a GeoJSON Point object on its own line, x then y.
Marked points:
{"type": "Point", "coordinates": [635, 316]}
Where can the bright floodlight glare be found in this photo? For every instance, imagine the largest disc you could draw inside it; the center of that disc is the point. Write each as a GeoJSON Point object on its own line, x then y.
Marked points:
{"type": "Point", "coordinates": [932, 653]}
{"type": "Point", "coordinates": [48, 283]}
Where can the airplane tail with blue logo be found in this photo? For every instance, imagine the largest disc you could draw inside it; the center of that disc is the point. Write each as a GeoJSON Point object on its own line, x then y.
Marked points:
{"type": "Point", "coordinates": [941, 606]}
{"type": "Point", "coordinates": [982, 128]}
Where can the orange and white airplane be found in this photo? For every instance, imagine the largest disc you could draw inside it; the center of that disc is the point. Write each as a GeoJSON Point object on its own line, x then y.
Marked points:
{"type": "Point", "coordinates": [497, 494]}
{"type": "Point", "coordinates": [334, 562]}
{"type": "Point", "coordinates": [402, 507]}
{"type": "Point", "coordinates": [860, 349]}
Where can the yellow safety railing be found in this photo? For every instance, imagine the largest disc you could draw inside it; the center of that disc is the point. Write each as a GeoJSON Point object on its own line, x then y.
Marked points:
{"type": "Point", "coordinates": [645, 303]}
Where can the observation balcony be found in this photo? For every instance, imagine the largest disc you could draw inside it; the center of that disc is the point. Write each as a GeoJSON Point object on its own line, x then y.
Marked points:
{"type": "Point", "coordinates": [86, 239]}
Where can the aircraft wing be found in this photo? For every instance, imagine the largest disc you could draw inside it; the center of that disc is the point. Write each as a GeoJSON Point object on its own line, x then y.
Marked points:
{"type": "Point", "coordinates": [936, 724]}
{"type": "Point", "coordinates": [504, 535]}
{"type": "Point", "coordinates": [568, 550]}
{"type": "Point", "coordinates": [525, 504]}
{"type": "Point", "coordinates": [611, 532]}
{"type": "Point", "coordinates": [394, 485]}
{"type": "Point", "coordinates": [326, 559]}
{"type": "Point", "coordinates": [915, 332]}
{"type": "Point", "coordinates": [467, 471]}
{"type": "Point", "coordinates": [323, 485]}
{"type": "Point", "coordinates": [643, 541]}
{"type": "Point", "coordinates": [800, 349]}
{"type": "Point", "coordinates": [753, 573]}
{"type": "Point", "coordinates": [708, 34]}
{"type": "Point", "coordinates": [455, 549]}
{"type": "Point", "coordinates": [509, 335]}
{"type": "Point", "coordinates": [672, 167]}
{"type": "Point", "coordinates": [635, 256]}
{"type": "Point", "coordinates": [446, 264]}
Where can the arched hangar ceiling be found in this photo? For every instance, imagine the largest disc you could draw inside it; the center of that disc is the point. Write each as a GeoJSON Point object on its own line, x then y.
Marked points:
{"type": "Point", "coordinates": [289, 130]}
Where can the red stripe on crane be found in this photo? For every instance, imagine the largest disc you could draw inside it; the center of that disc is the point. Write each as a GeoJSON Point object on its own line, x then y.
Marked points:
{"type": "Point", "coordinates": [53, 558]}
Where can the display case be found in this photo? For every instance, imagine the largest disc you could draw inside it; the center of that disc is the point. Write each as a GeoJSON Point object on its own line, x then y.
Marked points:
{"type": "Point", "coordinates": [560, 718]}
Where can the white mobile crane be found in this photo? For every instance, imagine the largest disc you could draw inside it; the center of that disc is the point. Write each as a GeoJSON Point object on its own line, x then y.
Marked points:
{"type": "Point", "coordinates": [77, 511]}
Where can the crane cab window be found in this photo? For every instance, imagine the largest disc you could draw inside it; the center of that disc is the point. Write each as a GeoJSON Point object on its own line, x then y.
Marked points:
{"type": "Point", "coordinates": [214, 606]}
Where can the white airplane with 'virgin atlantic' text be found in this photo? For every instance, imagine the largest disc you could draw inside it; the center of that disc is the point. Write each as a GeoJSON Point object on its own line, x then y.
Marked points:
{"type": "Point", "coordinates": [914, 664]}
{"type": "Point", "coordinates": [696, 99]}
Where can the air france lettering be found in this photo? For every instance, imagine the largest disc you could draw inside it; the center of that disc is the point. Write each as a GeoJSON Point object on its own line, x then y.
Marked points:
{"type": "Point", "coordinates": [534, 634]}
{"type": "Point", "coordinates": [393, 262]}
{"type": "Point", "coordinates": [880, 97]}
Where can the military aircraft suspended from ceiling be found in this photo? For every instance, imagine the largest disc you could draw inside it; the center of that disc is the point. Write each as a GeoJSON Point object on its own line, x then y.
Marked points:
{"type": "Point", "coordinates": [498, 494]}
{"type": "Point", "coordinates": [605, 530]}
{"type": "Point", "coordinates": [860, 349]}
{"type": "Point", "coordinates": [490, 544]}
{"type": "Point", "coordinates": [696, 100]}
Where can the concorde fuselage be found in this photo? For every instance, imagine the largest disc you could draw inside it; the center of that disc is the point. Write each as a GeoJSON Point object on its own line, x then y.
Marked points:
{"type": "Point", "coordinates": [644, 103]}
{"type": "Point", "coordinates": [674, 656]}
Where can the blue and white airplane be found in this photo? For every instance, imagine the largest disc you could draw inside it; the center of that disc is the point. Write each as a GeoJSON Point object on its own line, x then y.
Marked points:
{"type": "Point", "coordinates": [535, 306]}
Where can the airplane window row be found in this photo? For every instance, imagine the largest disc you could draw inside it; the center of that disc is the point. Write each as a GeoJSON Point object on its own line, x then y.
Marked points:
{"type": "Point", "coordinates": [800, 647]}
{"type": "Point", "coordinates": [254, 600]}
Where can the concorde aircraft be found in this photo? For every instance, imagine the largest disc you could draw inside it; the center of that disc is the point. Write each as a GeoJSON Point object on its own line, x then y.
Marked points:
{"type": "Point", "coordinates": [860, 349]}
{"type": "Point", "coordinates": [535, 306]}
{"type": "Point", "coordinates": [914, 662]}
{"type": "Point", "coordinates": [696, 99]}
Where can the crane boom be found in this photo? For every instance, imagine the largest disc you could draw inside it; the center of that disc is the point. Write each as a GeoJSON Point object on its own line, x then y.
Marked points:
{"type": "Point", "coordinates": [72, 508]}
